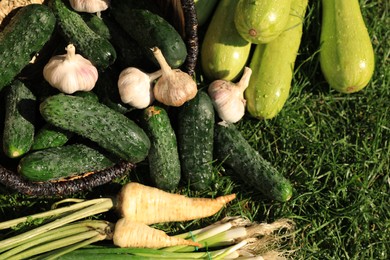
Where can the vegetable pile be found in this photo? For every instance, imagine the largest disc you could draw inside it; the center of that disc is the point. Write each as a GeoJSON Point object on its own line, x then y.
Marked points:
{"type": "Point", "coordinates": [92, 85]}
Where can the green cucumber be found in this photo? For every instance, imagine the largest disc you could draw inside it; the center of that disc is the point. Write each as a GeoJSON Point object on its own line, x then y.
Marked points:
{"type": "Point", "coordinates": [97, 24]}
{"type": "Point", "coordinates": [195, 141]}
{"type": "Point", "coordinates": [269, 86]}
{"type": "Point", "coordinates": [224, 52]}
{"type": "Point", "coordinates": [110, 129]}
{"type": "Point", "coordinates": [20, 115]}
{"type": "Point", "coordinates": [62, 162]}
{"type": "Point", "coordinates": [49, 136]}
{"type": "Point", "coordinates": [234, 151]}
{"type": "Point", "coordinates": [91, 45]}
{"type": "Point", "coordinates": [129, 52]}
{"type": "Point", "coordinates": [24, 36]}
{"type": "Point", "coordinates": [261, 21]}
{"type": "Point", "coordinates": [347, 56]}
{"type": "Point", "coordinates": [151, 30]}
{"type": "Point", "coordinates": [164, 163]}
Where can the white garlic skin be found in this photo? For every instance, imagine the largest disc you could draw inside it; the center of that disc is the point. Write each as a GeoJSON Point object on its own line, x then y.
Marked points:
{"type": "Point", "coordinates": [89, 6]}
{"type": "Point", "coordinates": [229, 104]}
{"type": "Point", "coordinates": [136, 87]}
{"type": "Point", "coordinates": [70, 72]}
{"type": "Point", "coordinates": [228, 97]}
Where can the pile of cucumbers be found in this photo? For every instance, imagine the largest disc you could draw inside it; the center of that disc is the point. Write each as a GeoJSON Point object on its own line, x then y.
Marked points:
{"type": "Point", "coordinates": [51, 136]}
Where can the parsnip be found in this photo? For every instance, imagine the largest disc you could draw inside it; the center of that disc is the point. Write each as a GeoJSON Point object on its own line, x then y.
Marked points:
{"type": "Point", "coordinates": [130, 233]}
{"type": "Point", "coordinates": [150, 205]}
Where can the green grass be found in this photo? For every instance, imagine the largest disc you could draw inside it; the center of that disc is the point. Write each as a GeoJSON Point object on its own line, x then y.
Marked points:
{"type": "Point", "coordinates": [333, 147]}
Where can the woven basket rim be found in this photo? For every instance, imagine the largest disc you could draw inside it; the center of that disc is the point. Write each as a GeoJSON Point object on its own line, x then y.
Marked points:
{"type": "Point", "coordinates": [15, 181]}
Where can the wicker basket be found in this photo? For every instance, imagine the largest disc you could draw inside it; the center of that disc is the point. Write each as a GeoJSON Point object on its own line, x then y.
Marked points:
{"type": "Point", "coordinates": [87, 181]}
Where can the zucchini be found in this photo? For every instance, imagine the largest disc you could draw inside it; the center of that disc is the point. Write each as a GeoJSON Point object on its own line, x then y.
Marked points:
{"type": "Point", "coordinates": [234, 151]}
{"type": "Point", "coordinates": [269, 86]}
{"type": "Point", "coordinates": [25, 35]}
{"type": "Point", "coordinates": [224, 52]}
{"type": "Point", "coordinates": [261, 21]}
{"type": "Point", "coordinates": [150, 30]}
{"type": "Point", "coordinates": [110, 129]}
{"type": "Point", "coordinates": [204, 10]}
{"type": "Point", "coordinates": [20, 115]}
{"type": "Point", "coordinates": [164, 164]}
{"type": "Point", "coordinates": [74, 29]}
{"type": "Point", "coordinates": [195, 141]}
{"type": "Point", "coordinates": [49, 136]}
{"type": "Point", "coordinates": [62, 162]}
{"type": "Point", "coordinates": [346, 54]}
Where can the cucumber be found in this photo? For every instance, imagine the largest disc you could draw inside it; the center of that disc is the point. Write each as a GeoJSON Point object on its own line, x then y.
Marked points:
{"type": "Point", "coordinates": [261, 21]}
{"type": "Point", "coordinates": [224, 52]}
{"type": "Point", "coordinates": [20, 115]}
{"type": "Point", "coordinates": [49, 136]}
{"type": "Point", "coordinates": [110, 129]}
{"type": "Point", "coordinates": [269, 86]}
{"type": "Point", "coordinates": [164, 163]}
{"type": "Point", "coordinates": [234, 151]}
{"type": "Point", "coordinates": [129, 52]}
{"type": "Point", "coordinates": [74, 29]}
{"type": "Point", "coordinates": [150, 30]}
{"type": "Point", "coordinates": [347, 56]}
{"type": "Point", "coordinates": [97, 24]}
{"type": "Point", "coordinates": [196, 120]}
{"type": "Point", "coordinates": [26, 34]}
{"type": "Point", "coordinates": [62, 162]}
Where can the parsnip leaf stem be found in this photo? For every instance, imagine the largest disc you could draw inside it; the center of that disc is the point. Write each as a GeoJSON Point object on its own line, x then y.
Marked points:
{"type": "Point", "coordinates": [52, 213]}
{"type": "Point", "coordinates": [103, 206]}
{"type": "Point", "coordinates": [70, 240]}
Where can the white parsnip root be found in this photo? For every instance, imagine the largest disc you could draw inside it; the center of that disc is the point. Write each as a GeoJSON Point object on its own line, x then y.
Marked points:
{"type": "Point", "coordinates": [129, 233]}
{"type": "Point", "coordinates": [150, 205]}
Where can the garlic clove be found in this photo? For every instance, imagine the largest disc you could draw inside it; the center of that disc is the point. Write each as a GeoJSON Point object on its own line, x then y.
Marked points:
{"type": "Point", "coordinates": [174, 87]}
{"type": "Point", "coordinates": [136, 87]}
{"type": "Point", "coordinates": [228, 97]}
{"type": "Point", "coordinates": [70, 72]}
{"type": "Point", "coordinates": [89, 6]}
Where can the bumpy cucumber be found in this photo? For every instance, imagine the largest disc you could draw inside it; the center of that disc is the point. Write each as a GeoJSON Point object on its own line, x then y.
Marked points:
{"type": "Point", "coordinates": [195, 141]}
{"type": "Point", "coordinates": [269, 86]}
{"type": "Point", "coordinates": [25, 35]}
{"type": "Point", "coordinates": [261, 21]}
{"type": "Point", "coordinates": [347, 56]}
{"type": "Point", "coordinates": [62, 162]}
{"type": "Point", "coordinates": [224, 52]}
{"type": "Point", "coordinates": [234, 151]}
{"type": "Point", "coordinates": [49, 136]}
{"type": "Point", "coordinates": [164, 164]}
{"type": "Point", "coordinates": [20, 115]}
{"type": "Point", "coordinates": [97, 24]}
{"type": "Point", "coordinates": [150, 30]}
{"type": "Point", "coordinates": [110, 129]}
{"type": "Point", "coordinates": [91, 45]}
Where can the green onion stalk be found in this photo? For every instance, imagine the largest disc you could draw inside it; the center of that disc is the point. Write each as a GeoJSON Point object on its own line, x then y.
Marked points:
{"type": "Point", "coordinates": [68, 232]}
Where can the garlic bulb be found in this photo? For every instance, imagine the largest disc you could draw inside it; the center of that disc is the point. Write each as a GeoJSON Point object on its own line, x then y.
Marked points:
{"type": "Point", "coordinates": [136, 87]}
{"type": "Point", "coordinates": [89, 6]}
{"type": "Point", "coordinates": [70, 72]}
{"type": "Point", "coordinates": [228, 98]}
{"type": "Point", "coordinates": [174, 87]}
